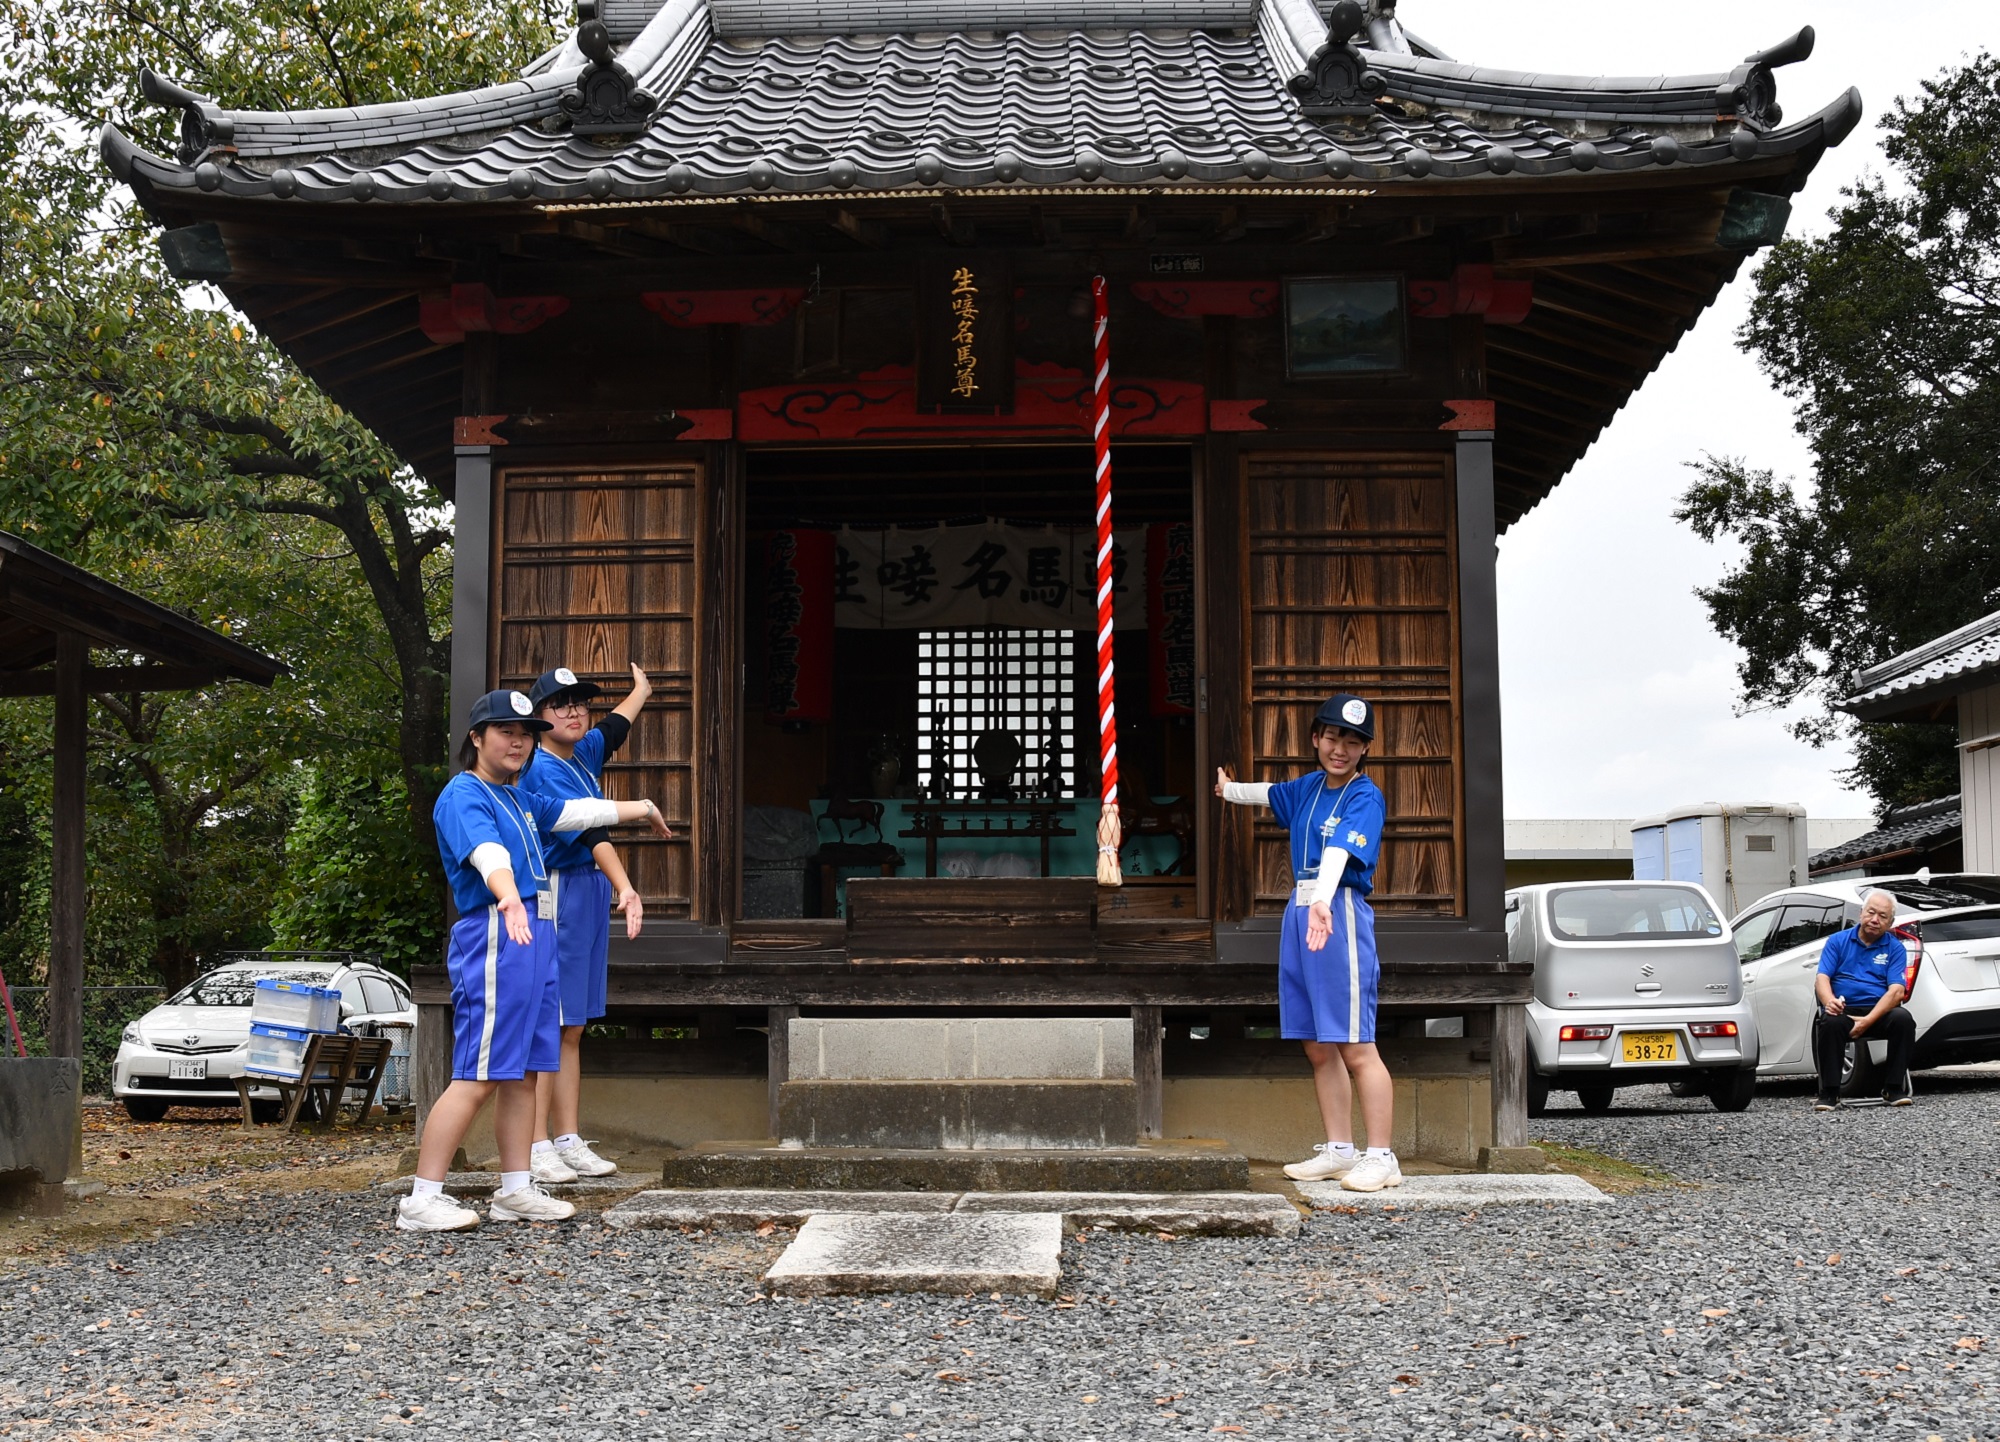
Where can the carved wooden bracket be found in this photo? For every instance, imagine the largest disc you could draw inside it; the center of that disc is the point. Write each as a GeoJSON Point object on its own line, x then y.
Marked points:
{"type": "Point", "coordinates": [1472, 290]}
{"type": "Point", "coordinates": [707, 425]}
{"type": "Point", "coordinates": [1236, 415]}
{"type": "Point", "coordinates": [477, 431]}
{"type": "Point", "coordinates": [1192, 299]}
{"type": "Point", "coordinates": [446, 317]}
{"type": "Point", "coordinates": [724, 307]}
{"type": "Point", "coordinates": [1469, 416]}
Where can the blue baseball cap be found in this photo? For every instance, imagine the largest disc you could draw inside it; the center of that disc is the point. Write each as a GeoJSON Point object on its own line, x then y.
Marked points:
{"type": "Point", "coordinates": [505, 705]}
{"type": "Point", "coordinates": [551, 685]}
{"type": "Point", "coordinates": [1348, 713]}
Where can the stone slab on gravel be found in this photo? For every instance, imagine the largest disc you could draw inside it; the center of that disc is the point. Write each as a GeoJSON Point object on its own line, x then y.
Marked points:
{"type": "Point", "coordinates": [844, 1253]}
{"type": "Point", "coordinates": [481, 1184]}
{"type": "Point", "coordinates": [1461, 1192]}
{"type": "Point", "coordinates": [1175, 1166]}
{"type": "Point", "coordinates": [1188, 1214]}
{"type": "Point", "coordinates": [749, 1208]}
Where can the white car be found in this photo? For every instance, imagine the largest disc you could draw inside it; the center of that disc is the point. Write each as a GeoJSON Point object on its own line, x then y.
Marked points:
{"type": "Point", "coordinates": [1951, 924]}
{"type": "Point", "coordinates": [189, 1050]}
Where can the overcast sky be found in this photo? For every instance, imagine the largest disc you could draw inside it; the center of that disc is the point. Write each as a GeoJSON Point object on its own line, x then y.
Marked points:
{"type": "Point", "coordinates": [1619, 698]}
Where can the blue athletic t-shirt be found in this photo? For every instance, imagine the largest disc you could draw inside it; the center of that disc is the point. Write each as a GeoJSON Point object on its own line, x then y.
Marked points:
{"type": "Point", "coordinates": [471, 812]}
{"type": "Point", "coordinates": [1318, 816]}
{"type": "Point", "coordinates": [579, 777]}
{"type": "Point", "coordinates": [1861, 974]}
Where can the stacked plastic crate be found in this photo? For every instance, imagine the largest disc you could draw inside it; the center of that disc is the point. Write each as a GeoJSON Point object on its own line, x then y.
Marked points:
{"type": "Point", "coordinates": [284, 1016]}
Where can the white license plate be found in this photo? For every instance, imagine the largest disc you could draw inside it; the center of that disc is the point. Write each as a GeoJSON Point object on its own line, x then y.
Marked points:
{"type": "Point", "coordinates": [194, 1070]}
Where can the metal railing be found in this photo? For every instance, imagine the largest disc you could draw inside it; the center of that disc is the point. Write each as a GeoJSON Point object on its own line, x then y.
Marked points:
{"type": "Point", "coordinates": [107, 1011]}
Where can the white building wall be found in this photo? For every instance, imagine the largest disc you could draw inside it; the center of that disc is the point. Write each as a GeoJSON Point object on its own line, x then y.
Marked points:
{"type": "Point", "coordinates": [1979, 776]}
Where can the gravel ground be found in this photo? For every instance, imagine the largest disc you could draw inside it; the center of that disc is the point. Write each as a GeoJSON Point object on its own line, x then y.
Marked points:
{"type": "Point", "coordinates": [1818, 1276]}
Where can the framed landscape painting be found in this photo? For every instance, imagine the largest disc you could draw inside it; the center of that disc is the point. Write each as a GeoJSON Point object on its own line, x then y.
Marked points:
{"type": "Point", "coordinates": [1344, 326]}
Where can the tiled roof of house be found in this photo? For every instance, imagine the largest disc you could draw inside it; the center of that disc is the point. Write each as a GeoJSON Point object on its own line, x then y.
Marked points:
{"type": "Point", "coordinates": [720, 97]}
{"type": "Point", "coordinates": [1953, 663]}
{"type": "Point", "coordinates": [1903, 830]}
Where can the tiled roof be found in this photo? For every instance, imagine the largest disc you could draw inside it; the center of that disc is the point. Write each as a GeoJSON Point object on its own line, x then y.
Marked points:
{"type": "Point", "coordinates": [1947, 666]}
{"type": "Point", "coordinates": [1163, 92]}
{"type": "Point", "coordinates": [1918, 827]}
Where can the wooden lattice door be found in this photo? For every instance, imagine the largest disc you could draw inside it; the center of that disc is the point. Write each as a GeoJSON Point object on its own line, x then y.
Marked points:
{"type": "Point", "coordinates": [599, 569]}
{"type": "Point", "coordinates": [1352, 563]}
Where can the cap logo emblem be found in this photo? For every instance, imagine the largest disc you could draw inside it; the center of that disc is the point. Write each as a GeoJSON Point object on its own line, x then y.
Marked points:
{"type": "Point", "coordinates": [1355, 712]}
{"type": "Point", "coordinates": [522, 706]}
{"type": "Point", "coordinates": [565, 676]}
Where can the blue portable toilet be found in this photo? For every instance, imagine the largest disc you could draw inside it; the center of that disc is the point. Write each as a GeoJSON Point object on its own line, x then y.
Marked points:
{"type": "Point", "coordinates": [1738, 851]}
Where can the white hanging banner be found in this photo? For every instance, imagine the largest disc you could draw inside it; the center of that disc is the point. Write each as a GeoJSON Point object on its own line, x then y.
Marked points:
{"type": "Point", "coordinates": [939, 578]}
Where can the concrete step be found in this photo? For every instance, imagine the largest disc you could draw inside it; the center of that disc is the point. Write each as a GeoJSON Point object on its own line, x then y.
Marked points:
{"type": "Point", "coordinates": [1192, 1214]}
{"type": "Point", "coordinates": [957, 1115]}
{"type": "Point", "coordinates": [843, 1253]}
{"type": "Point", "coordinates": [1176, 1166]}
{"type": "Point", "coordinates": [1054, 1048]}
{"type": "Point", "coordinates": [482, 1184]}
{"type": "Point", "coordinates": [1460, 1192]}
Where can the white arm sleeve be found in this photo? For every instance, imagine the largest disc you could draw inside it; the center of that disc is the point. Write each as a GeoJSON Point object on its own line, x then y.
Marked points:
{"type": "Point", "coordinates": [1247, 793]}
{"type": "Point", "coordinates": [1332, 866]}
{"type": "Point", "coordinates": [488, 857]}
{"type": "Point", "coordinates": [586, 812]}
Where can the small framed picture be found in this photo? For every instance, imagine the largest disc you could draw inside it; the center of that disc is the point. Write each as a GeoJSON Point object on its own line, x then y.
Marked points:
{"type": "Point", "coordinates": [1349, 325]}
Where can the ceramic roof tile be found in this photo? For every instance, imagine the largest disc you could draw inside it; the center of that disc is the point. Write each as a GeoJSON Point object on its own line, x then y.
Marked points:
{"type": "Point", "coordinates": [1950, 664]}
{"type": "Point", "coordinates": [1903, 829]}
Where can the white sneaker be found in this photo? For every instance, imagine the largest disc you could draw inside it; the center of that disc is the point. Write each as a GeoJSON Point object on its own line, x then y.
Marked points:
{"type": "Point", "coordinates": [433, 1213]}
{"type": "Point", "coordinates": [1325, 1165]}
{"type": "Point", "coordinates": [1371, 1174]}
{"type": "Point", "coordinates": [547, 1167]}
{"type": "Point", "coordinates": [530, 1204]}
{"type": "Point", "coordinates": [583, 1162]}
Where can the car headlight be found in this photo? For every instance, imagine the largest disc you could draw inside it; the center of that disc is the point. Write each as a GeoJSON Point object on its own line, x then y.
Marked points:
{"type": "Point", "coordinates": [132, 1035]}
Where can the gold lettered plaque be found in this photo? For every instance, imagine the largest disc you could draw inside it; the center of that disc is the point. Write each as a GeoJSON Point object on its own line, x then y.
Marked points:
{"type": "Point", "coordinates": [965, 327]}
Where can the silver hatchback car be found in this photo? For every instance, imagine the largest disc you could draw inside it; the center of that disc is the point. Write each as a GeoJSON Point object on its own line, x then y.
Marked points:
{"type": "Point", "coordinates": [1635, 982]}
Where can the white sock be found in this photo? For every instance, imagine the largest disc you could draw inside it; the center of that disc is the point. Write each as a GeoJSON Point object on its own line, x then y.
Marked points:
{"type": "Point", "coordinates": [541, 1146]}
{"type": "Point", "coordinates": [511, 1182]}
{"type": "Point", "coordinates": [425, 1187]}
{"type": "Point", "coordinates": [1340, 1149]}
{"type": "Point", "coordinates": [1383, 1152]}
{"type": "Point", "coordinates": [568, 1139]}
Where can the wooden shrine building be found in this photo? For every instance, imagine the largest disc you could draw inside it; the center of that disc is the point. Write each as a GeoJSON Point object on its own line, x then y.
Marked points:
{"type": "Point", "coordinates": [751, 341]}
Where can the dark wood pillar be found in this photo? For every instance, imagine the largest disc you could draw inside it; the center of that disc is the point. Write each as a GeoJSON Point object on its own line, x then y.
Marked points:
{"type": "Point", "coordinates": [471, 583]}
{"type": "Point", "coordinates": [1479, 686]}
{"type": "Point", "coordinates": [64, 1026]}
{"type": "Point", "coordinates": [1510, 1075]}
{"type": "Point", "coordinates": [1147, 1070]}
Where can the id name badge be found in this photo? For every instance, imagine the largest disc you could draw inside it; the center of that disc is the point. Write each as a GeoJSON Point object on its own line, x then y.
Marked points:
{"type": "Point", "coordinates": [545, 905]}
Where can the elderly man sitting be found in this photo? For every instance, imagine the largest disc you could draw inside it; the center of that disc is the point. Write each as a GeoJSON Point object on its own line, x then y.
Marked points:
{"type": "Point", "coordinates": [1861, 994]}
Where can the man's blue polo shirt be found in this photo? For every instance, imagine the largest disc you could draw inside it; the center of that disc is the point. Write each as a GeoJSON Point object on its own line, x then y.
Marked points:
{"type": "Point", "coordinates": [1861, 974]}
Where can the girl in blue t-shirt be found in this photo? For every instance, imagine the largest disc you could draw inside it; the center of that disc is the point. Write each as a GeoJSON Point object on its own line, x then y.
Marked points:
{"type": "Point", "coordinates": [501, 960]}
{"type": "Point", "coordinates": [568, 765]}
{"type": "Point", "coordinates": [1328, 974]}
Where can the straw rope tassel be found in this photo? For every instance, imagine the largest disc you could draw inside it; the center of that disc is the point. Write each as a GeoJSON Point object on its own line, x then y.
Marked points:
{"type": "Point", "coordinates": [1109, 834]}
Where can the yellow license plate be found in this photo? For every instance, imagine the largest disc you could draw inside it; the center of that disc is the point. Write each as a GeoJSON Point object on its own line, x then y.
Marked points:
{"type": "Point", "coordinates": [1651, 1046]}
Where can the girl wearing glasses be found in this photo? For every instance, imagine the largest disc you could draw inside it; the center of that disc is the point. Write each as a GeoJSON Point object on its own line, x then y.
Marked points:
{"type": "Point", "coordinates": [589, 884]}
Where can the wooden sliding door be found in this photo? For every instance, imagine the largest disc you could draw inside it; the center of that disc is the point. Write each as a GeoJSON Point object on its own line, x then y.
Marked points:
{"type": "Point", "coordinates": [599, 568]}
{"type": "Point", "coordinates": [1351, 586]}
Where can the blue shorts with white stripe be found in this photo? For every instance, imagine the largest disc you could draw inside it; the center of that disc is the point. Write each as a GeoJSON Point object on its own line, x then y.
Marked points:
{"type": "Point", "coordinates": [504, 999]}
{"type": "Point", "coordinates": [1329, 995]}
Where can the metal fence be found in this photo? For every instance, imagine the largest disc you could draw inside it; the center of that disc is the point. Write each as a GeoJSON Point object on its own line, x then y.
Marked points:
{"type": "Point", "coordinates": [107, 1010]}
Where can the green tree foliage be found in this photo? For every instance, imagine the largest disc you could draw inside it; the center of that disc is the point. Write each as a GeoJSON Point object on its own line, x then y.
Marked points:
{"type": "Point", "coordinates": [1886, 335]}
{"type": "Point", "coordinates": [351, 867]}
{"type": "Point", "coordinates": [148, 433]}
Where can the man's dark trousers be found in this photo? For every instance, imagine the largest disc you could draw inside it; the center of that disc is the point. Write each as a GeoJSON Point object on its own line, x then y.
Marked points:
{"type": "Point", "coordinates": [1897, 1027]}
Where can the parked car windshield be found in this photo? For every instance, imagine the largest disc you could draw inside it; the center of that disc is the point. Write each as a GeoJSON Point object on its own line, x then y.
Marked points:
{"type": "Point", "coordinates": [1973, 926]}
{"type": "Point", "coordinates": [1631, 913]}
{"type": "Point", "coordinates": [233, 986]}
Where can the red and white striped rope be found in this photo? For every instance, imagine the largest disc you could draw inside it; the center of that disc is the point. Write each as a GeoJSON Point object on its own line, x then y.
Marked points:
{"type": "Point", "coordinates": [1107, 715]}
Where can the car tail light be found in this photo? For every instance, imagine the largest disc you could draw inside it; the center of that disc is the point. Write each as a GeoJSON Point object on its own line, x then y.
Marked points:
{"type": "Point", "coordinates": [1913, 942]}
{"type": "Point", "coordinates": [1713, 1028]}
{"type": "Point", "coordinates": [1585, 1033]}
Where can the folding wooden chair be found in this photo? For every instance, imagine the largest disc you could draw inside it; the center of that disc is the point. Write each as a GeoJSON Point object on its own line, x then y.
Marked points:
{"type": "Point", "coordinates": [347, 1061]}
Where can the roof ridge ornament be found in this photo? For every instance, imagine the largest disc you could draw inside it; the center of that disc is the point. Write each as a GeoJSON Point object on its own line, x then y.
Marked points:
{"type": "Point", "coordinates": [1337, 81]}
{"type": "Point", "coordinates": [606, 100]}
{"type": "Point", "coordinates": [1750, 91]}
{"type": "Point", "coordinates": [203, 125]}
